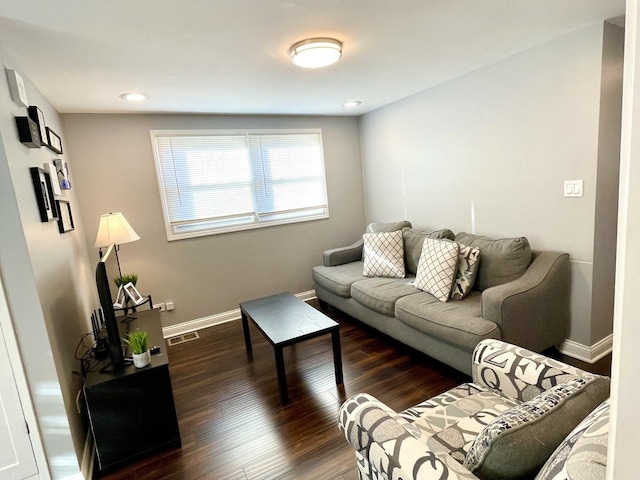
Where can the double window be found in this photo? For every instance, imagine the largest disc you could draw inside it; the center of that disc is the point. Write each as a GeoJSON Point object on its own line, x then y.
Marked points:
{"type": "Point", "coordinates": [223, 181]}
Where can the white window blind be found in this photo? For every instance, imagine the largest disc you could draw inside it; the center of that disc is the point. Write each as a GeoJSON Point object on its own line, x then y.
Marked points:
{"type": "Point", "coordinates": [219, 181]}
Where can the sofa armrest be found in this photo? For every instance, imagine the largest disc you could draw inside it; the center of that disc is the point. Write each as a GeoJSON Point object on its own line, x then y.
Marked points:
{"type": "Point", "coordinates": [516, 372]}
{"type": "Point", "coordinates": [370, 427]}
{"type": "Point", "coordinates": [342, 255]}
{"type": "Point", "coordinates": [533, 310]}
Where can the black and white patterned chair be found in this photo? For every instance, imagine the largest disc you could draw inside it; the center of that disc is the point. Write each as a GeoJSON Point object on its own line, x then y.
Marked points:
{"type": "Point", "coordinates": [524, 416]}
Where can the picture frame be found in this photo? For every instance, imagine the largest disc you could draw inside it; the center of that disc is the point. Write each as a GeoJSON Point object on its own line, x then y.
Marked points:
{"type": "Point", "coordinates": [28, 133]}
{"type": "Point", "coordinates": [65, 218]}
{"type": "Point", "coordinates": [54, 142]}
{"type": "Point", "coordinates": [121, 298]}
{"type": "Point", "coordinates": [41, 180]}
{"type": "Point", "coordinates": [37, 116]}
{"type": "Point", "coordinates": [51, 168]}
{"type": "Point", "coordinates": [17, 88]}
{"type": "Point", "coordinates": [62, 170]}
{"type": "Point", "coordinates": [133, 294]}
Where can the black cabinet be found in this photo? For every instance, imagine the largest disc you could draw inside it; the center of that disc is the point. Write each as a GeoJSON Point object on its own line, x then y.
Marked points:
{"type": "Point", "coordinates": [132, 412]}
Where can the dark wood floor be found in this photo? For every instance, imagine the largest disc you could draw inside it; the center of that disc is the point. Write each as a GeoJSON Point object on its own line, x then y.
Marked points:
{"type": "Point", "coordinates": [233, 426]}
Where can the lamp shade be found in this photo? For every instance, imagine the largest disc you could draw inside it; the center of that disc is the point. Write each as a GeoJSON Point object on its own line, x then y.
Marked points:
{"type": "Point", "coordinates": [114, 229]}
{"type": "Point", "coordinates": [316, 52]}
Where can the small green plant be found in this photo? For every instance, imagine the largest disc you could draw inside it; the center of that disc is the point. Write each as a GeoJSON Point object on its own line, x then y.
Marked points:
{"type": "Point", "coordinates": [138, 340]}
{"type": "Point", "coordinates": [126, 278]}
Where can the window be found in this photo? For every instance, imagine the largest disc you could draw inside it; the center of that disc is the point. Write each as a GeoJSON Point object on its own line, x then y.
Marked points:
{"type": "Point", "coordinates": [223, 181]}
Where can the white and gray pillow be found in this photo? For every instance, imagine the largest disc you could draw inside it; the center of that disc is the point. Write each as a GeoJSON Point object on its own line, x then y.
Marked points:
{"type": "Point", "coordinates": [437, 267]}
{"type": "Point", "coordinates": [466, 273]}
{"type": "Point", "coordinates": [383, 255]}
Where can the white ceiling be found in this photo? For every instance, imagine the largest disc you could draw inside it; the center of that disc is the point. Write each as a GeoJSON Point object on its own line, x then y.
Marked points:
{"type": "Point", "coordinates": [231, 56]}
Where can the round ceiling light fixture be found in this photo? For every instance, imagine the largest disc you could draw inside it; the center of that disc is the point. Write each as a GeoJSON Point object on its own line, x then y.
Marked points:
{"type": "Point", "coordinates": [316, 52]}
{"type": "Point", "coordinates": [134, 97]}
{"type": "Point", "coordinates": [351, 104]}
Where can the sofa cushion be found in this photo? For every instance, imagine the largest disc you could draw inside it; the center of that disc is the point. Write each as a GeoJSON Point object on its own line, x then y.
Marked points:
{"type": "Point", "coordinates": [383, 255]}
{"type": "Point", "coordinates": [501, 260]}
{"type": "Point", "coordinates": [437, 267]}
{"type": "Point", "coordinates": [413, 241]}
{"type": "Point", "coordinates": [518, 442]}
{"type": "Point", "coordinates": [444, 411]}
{"type": "Point", "coordinates": [388, 227]}
{"type": "Point", "coordinates": [583, 454]}
{"type": "Point", "coordinates": [380, 294]}
{"type": "Point", "coordinates": [456, 323]}
{"type": "Point", "coordinates": [338, 279]}
{"type": "Point", "coordinates": [468, 262]}
{"type": "Point", "coordinates": [457, 439]}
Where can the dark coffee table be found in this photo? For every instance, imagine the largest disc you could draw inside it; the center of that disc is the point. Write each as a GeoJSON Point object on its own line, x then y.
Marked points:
{"type": "Point", "coordinates": [285, 320]}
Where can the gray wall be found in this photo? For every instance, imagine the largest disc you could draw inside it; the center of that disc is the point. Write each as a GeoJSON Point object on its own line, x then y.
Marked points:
{"type": "Point", "coordinates": [489, 152]}
{"type": "Point", "coordinates": [47, 282]}
{"type": "Point", "coordinates": [113, 170]}
{"type": "Point", "coordinates": [608, 171]}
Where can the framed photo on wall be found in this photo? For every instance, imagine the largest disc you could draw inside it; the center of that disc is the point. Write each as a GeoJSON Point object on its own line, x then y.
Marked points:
{"type": "Point", "coordinates": [41, 180]}
{"type": "Point", "coordinates": [37, 116]}
{"type": "Point", "coordinates": [54, 142]}
{"type": "Point", "coordinates": [65, 219]}
{"type": "Point", "coordinates": [62, 169]}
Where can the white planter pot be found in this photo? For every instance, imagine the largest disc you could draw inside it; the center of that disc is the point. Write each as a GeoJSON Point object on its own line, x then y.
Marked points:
{"type": "Point", "coordinates": [141, 360]}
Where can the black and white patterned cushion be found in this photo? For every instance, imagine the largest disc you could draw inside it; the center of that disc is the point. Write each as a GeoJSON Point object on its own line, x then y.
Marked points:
{"type": "Point", "coordinates": [583, 454]}
{"type": "Point", "coordinates": [466, 273]}
{"type": "Point", "coordinates": [383, 255]}
{"type": "Point", "coordinates": [532, 430]}
{"type": "Point", "coordinates": [437, 267]}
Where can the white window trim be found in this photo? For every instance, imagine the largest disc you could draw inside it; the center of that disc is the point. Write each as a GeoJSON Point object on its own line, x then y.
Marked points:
{"type": "Point", "coordinates": [173, 236]}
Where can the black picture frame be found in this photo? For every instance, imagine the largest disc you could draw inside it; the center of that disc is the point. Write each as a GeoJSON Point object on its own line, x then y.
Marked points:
{"type": "Point", "coordinates": [44, 194]}
{"type": "Point", "coordinates": [65, 217]}
{"type": "Point", "coordinates": [54, 142]}
{"type": "Point", "coordinates": [37, 116]}
{"type": "Point", "coordinates": [28, 132]}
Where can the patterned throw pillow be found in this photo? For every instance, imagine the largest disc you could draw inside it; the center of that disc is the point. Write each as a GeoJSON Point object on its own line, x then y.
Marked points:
{"type": "Point", "coordinates": [584, 451]}
{"type": "Point", "coordinates": [466, 273]}
{"type": "Point", "coordinates": [531, 431]}
{"type": "Point", "coordinates": [383, 255]}
{"type": "Point", "coordinates": [437, 267]}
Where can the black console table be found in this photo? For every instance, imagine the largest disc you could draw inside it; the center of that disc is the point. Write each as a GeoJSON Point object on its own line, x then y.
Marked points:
{"type": "Point", "coordinates": [132, 412]}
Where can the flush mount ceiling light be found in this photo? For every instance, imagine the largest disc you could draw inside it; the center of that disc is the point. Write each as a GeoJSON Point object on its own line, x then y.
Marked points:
{"type": "Point", "coordinates": [134, 97]}
{"type": "Point", "coordinates": [316, 52]}
{"type": "Point", "coordinates": [351, 104]}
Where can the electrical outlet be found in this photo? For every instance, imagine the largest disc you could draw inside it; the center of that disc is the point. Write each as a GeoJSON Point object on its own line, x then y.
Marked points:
{"type": "Point", "coordinates": [160, 306]}
{"type": "Point", "coordinates": [170, 306]}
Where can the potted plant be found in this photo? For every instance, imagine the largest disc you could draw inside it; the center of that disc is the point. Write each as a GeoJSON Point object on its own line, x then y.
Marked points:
{"type": "Point", "coordinates": [126, 278]}
{"type": "Point", "coordinates": [138, 340]}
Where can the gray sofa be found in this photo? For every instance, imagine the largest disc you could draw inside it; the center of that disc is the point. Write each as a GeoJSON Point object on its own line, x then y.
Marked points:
{"type": "Point", "coordinates": [520, 296]}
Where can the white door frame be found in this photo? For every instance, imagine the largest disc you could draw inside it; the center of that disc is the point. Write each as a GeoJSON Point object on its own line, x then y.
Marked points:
{"type": "Point", "coordinates": [22, 386]}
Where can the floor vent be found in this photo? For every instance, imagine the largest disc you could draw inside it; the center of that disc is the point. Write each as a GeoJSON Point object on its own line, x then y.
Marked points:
{"type": "Point", "coordinates": [187, 337]}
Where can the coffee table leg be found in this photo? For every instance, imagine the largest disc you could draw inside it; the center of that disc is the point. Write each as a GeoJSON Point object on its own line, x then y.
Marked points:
{"type": "Point", "coordinates": [247, 335]}
{"type": "Point", "coordinates": [337, 355]}
{"type": "Point", "coordinates": [282, 377]}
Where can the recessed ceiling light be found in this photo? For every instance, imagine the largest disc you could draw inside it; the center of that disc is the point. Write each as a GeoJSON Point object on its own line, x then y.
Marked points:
{"type": "Point", "coordinates": [134, 97]}
{"type": "Point", "coordinates": [351, 103]}
{"type": "Point", "coordinates": [316, 52]}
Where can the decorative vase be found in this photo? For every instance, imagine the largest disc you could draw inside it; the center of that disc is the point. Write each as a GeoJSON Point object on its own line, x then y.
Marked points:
{"type": "Point", "coordinates": [141, 360]}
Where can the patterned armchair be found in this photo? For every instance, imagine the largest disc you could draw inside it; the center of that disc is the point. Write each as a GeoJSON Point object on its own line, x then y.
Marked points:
{"type": "Point", "coordinates": [524, 416]}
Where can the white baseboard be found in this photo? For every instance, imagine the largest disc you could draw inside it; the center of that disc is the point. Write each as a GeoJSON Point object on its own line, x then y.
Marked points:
{"type": "Point", "coordinates": [589, 354]}
{"type": "Point", "coordinates": [217, 319]}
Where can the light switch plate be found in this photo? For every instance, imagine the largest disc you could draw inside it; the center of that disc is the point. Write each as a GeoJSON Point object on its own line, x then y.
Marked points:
{"type": "Point", "coordinates": [573, 188]}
